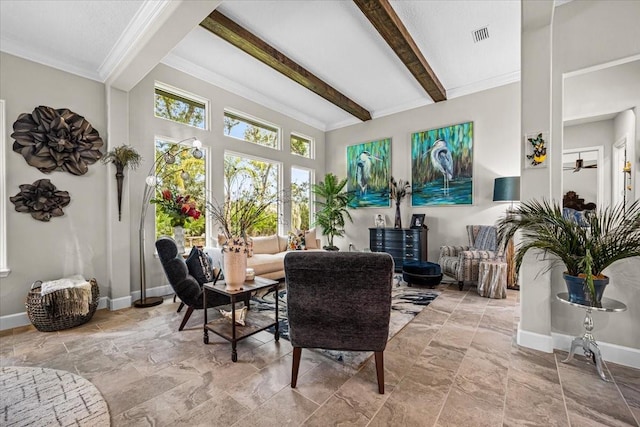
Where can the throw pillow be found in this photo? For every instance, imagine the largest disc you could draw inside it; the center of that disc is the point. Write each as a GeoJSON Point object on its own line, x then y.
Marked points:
{"type": "Point", "coordinates": [296, 241]}
{"type": "Point", "coordinates": [200, 266]}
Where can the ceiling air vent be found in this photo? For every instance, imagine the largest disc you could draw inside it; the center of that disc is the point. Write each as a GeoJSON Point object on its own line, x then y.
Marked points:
{"type": "Point", "coordinates": [480, 34]}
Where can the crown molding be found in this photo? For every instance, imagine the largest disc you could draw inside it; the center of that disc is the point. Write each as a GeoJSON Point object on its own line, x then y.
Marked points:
{"type": "Point", "coordinates": [145, 18]}
{"type": "Point", "coordinates": [491, 83]}
{"type": "Point", "coordinates": [15, 48]}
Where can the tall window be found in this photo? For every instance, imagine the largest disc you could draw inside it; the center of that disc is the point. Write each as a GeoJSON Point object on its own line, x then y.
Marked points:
{"type": "Point", "coordinates": [251, 178]}
{"type": "Point", "coordinates": [300, 198]}
{"type": "Point", "coordinates": [251, 129]}
{"type": "Point", "coordinates": [301, 146]}
{"type": "Point", "coordinates": [186, 177]}
{"type": "Point", "coordinates": [180, 106]}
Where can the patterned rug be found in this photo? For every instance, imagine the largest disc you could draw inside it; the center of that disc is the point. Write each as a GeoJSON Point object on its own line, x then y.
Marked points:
{"type": "Point", "coordinates": [406, 303]}
{"type": "Point", "coordinates": [40, 396]}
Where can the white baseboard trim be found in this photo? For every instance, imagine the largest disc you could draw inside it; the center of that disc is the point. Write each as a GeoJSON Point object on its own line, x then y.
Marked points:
{"type": "Point", "coordinates": [534, 340]}
{"type": "Point", "coordinates": [158, 291]}
{"type": "Point", "coordinates": [120, 303]}
{"type": "Point", "coordinates": [621, 355]}
{"type": "Point", "coordinates": [21, 319]}
{"type": "Point", "coordinates": [14, 321]}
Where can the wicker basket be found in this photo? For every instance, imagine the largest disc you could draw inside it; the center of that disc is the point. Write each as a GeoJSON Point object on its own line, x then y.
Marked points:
{"type": "Point", "coordinates": [44, 321]}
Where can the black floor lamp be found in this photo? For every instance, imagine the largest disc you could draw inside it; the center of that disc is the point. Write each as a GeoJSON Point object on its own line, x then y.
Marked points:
{"type": "Point", "coordinates": [154, 177]}
{"type": "Point", "coordinates": [507, 189]}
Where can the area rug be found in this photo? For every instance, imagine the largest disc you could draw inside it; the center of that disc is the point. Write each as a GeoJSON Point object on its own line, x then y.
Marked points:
{"type": "Point", "coordinates": [406, 303]}
{"type": "Point", "coordinates": [48, 397]}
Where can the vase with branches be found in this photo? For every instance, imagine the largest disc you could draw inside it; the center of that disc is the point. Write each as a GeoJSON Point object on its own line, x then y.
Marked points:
{"type": "Point", "coordinates": [122, 157]}
{"type": "Point", "coordinates": [397, 191]}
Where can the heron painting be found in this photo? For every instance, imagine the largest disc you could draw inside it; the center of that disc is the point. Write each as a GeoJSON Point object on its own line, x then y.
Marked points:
{"type": "Point", "coordinates": [442, 166]}
{"type": "Point", "coordinates": [368, 173]}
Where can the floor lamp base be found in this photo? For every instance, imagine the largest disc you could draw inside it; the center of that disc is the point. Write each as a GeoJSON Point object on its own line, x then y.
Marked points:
{"type": "Point", "coordinates": [148, 302]}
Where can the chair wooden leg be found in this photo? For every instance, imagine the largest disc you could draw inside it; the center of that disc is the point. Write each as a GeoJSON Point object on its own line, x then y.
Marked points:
{"type": "Point", "coordinates": [180, 307]}
{"type": "Point", "coordinates": [185, 318]}
{"type": "Point", "coordinates": [296, 365]}
{"type": "Point", "coordinates": [380, 370]}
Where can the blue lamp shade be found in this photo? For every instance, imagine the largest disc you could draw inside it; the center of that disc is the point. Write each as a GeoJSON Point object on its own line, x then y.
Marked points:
{"type": "Point", "coordinates": [506, 189]}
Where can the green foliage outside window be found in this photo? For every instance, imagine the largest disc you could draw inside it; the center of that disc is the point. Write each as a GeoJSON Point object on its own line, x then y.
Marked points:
{"type": "Point", "coordinates": [300, 146]}
{"type": "Point", "coordinates": [255, 182]}
{"type": "Point", "coordinates": [171, 179]}
{"type": "Point", "coordinates": [180, 109]}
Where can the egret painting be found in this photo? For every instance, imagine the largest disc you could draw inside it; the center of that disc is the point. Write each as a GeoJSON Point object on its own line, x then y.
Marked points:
{"type": "Point", "coordinates": [368, 173]}
{"type": "Point", "coordinates": [442, 166]}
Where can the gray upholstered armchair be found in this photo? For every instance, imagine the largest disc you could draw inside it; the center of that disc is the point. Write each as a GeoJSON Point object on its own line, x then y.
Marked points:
{"type": "Point", "coordinates": [463, 262]}
{"type": "Point", "coordinates": [184, 284]}
{"type": "Point", "coordinates": [339, 301]}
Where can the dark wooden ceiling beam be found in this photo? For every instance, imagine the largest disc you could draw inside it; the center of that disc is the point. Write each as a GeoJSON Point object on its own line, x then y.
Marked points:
{"type": "Point", "coordinates": [386, 21]}
{"type": "Point", "coordinates": [222, 26]}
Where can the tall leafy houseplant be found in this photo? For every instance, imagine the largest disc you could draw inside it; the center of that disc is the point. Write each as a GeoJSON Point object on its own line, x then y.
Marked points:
{"type": "Point", "coordinates": [607, 236]}
{"type": "Point", "coordinates": [122, 157]}
{"type": "Point", "coordinates": [333, 207]}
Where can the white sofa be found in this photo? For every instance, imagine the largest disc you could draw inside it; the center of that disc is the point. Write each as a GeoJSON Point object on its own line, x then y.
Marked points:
{"type": "Point", "coordinates": [268, 254]}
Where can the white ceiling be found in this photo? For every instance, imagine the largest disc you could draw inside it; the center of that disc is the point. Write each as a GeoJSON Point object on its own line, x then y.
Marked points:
{"type": "Point", "coordinates": [332, 39]}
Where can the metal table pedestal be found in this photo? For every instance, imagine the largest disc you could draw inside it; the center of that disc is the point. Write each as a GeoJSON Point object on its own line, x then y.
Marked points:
{"type": "Point", "coordinates": [587, 341]}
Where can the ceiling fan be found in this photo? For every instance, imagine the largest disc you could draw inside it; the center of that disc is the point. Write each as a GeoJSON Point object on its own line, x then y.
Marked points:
{"type": "Point", "coordinates": [579, 165]}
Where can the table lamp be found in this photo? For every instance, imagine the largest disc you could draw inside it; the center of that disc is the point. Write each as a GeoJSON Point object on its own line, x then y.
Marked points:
{"type": "Point", "coordinates": [507, 189]}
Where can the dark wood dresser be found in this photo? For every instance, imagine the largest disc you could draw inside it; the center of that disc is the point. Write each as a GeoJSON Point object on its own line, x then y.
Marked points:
{"type": "Point", "coordinates": [401, 243]}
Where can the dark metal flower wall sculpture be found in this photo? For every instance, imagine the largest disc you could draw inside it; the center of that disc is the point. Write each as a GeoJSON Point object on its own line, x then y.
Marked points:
{"type": "Point", "coordinates": [51, 139]}
{"type": "Point", "coordinates": [41, 199]}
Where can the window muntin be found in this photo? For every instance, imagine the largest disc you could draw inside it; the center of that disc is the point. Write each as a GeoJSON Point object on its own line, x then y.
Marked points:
{"type": "Point", "coordinates": [301, 146]}
{"type": "Point", "coordinates": [250, 129]}
{"type": "Point", "coordinates": [180, 106]}
{"type": "Point", "coordinates": [249, 177]}
{"type": "Point", "coordinates": [300, 198]}
{"type": "Point", "coordinates": [170, 177]}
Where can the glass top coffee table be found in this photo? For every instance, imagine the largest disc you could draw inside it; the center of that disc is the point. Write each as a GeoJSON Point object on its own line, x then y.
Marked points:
{"type": "Point", "coordinates": [254, 322]}
{"type": "Point", "coordinates": [587, 341]}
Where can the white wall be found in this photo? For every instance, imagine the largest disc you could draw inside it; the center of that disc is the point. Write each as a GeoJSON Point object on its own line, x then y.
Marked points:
{"type": "Point", "coordinates": [75, 242]}
{"type": "Point", "coordinates": [496, 150]}
{"type": "Point", "coordinates": [144, 126]}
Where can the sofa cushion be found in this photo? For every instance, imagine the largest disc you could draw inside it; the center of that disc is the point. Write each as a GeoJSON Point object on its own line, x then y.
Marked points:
{"type": "Point", "coordinates": [266, 263]}
{"type": "Point", "coordinates": [265, 245]}
{"type": "Point", "coordinates": [200, 265]}
{"type": "Point", "coordinates": [283, 242]}
{"type": "Point", "coordinates": [310, 239]}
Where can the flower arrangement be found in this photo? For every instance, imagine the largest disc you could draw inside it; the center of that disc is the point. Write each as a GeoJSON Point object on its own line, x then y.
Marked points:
{"type": "Point", "coordinates": [179, 208]}
{"type": "Point", "coordinates": [398, 189]}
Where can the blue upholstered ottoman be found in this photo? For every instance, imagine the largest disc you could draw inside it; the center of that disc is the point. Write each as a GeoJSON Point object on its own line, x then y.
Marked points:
{"type": "Point", "coordinates": [421, 273]}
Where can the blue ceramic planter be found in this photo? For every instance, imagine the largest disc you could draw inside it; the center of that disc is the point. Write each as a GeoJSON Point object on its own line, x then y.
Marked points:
{"type": "Point", "coordinates": [577, 291]}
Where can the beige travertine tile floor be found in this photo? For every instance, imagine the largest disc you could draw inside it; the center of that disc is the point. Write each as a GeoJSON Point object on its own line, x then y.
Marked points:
{"type": "Point", "coordinates": [455, 364]}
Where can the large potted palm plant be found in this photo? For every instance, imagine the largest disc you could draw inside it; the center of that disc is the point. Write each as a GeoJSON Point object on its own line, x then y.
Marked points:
{"type": "Point", "coordinates": [333, 208]}
{"type": "Point", "coordinates": [585, 248]}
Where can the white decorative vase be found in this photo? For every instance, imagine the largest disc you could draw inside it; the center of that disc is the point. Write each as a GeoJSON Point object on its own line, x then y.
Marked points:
{"type": "Point", "coordinates": [235, 269]}
{"type": "Point", "coordinates": [178, 236]}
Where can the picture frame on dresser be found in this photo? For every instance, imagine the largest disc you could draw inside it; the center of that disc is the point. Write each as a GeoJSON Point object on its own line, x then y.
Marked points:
{"type": "Point", "coordinates": [379, 221]}
{"type": "Point", "coordinates": [417, 221]}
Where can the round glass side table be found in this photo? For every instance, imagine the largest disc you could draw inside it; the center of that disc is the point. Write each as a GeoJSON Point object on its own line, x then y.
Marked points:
{"type": "Point", "coordinates": [587, 341]}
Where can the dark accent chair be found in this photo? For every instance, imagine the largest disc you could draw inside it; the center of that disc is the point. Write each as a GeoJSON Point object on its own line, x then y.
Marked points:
{"type": "Point", "coordinates": [339, 301]}
{"type": "Point", "coordinates": [184, 285]}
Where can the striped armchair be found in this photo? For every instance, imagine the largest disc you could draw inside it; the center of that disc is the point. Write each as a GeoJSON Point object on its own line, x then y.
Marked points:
{"type": "Point", "coordinates": [463, 262]}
